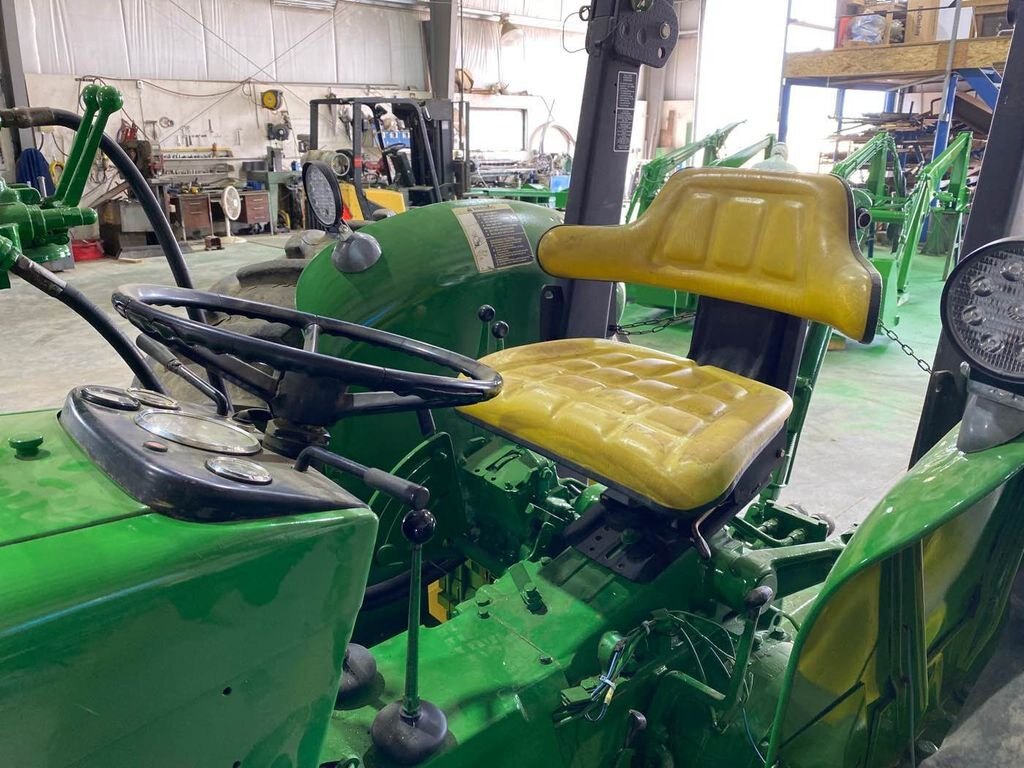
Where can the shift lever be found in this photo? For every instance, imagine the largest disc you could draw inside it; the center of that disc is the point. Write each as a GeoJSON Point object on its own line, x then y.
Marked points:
{"type": "Point", "coordinates": [411, 730]}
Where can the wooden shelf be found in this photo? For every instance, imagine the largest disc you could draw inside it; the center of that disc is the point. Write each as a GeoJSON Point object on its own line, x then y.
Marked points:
{"type": "Point", "coordinates": [893, 63]}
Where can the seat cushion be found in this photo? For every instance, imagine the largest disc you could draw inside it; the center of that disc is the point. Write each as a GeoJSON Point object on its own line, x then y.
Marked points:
{"type": "Point", "coordinates": [665, 429]}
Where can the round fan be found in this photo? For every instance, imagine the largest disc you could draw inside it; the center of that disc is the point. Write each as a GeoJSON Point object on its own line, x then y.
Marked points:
{"type": "Point", "coordinates": [231, 204]}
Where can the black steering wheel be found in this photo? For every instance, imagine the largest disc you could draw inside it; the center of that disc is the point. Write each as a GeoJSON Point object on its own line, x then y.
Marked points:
{"type": "Point", "coordinates": [309, 387]}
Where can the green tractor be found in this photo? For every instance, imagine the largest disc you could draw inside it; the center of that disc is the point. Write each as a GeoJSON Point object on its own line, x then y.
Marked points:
{"type": "Point", "coordinates": [184, 578]}
{"type": "Point", "coordinates": [181, 590]}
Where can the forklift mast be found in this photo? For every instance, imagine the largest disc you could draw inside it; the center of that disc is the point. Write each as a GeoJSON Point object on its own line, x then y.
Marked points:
{"type": "Point", "coordinates": [622, 35]}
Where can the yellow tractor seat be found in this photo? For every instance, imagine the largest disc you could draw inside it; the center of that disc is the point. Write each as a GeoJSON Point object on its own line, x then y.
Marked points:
{"type": "Point", "coordinates": [673, 434]}
{"type": "Point", "coordinates": [699, 436]}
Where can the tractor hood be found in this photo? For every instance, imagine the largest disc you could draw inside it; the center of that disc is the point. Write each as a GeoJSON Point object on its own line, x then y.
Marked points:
{"type": "Point", "coordinates": [58, 489]}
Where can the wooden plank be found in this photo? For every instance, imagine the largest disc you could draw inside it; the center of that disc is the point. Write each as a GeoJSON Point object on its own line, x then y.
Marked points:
{"type": "Point", "coordinates": [920, 60]}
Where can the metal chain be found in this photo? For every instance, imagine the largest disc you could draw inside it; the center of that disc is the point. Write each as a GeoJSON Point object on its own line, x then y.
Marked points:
{"type": "Point", "coordinates": [660, 324]}
{"type": "Point", "coordinates": [651, 326]}
{"type": "Point", "coordinates": [907, 349]}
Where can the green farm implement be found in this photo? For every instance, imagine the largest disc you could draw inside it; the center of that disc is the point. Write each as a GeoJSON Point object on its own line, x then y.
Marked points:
{"type": "Point", "coordinates": [184, 575]}
{"type": "Point", "coordinates": [940, 196]}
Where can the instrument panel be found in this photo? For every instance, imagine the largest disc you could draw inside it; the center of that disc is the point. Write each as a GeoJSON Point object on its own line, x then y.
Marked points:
{"type": "Point", "coordinates": [188, 462]}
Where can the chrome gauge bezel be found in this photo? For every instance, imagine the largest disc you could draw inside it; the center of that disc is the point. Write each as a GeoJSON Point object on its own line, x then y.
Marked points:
{"type": "Point", "coordinates": [153, 399]}
{"type": "Point", "coordinates": [240, 470]}
{"type": "Point", "coordinates": [245, 443]}
{"type": "Point", "coordinates": [110, 397]}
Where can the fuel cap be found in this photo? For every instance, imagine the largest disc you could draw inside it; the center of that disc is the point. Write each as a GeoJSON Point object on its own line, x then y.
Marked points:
{"type": "Point", "coordinates": [240, 470]}
{"type": "Point", "coordinates": [26, 446]}
{"type": "Point", "coordinates": [111, 397]}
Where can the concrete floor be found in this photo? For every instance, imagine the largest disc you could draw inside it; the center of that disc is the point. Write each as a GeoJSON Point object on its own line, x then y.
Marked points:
{"type": "Point", "coordinates": [856, 441]}
{"type": "Point", "coordinates": [46, 349]}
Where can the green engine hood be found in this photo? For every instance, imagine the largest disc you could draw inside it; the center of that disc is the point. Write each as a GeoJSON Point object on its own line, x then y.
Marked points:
{"type": "Point", "coordinates": [58, 490]}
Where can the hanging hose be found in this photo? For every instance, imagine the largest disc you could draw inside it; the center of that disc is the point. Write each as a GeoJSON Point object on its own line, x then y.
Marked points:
{"type": "Point", "coordinates": [35, 117]}
{"type": "Point", "coordinates": [67, 294]}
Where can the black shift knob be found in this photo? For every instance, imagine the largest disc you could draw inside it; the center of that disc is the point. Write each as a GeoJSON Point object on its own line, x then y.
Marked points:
{"type": "Point", "coordinates": [418, 526]}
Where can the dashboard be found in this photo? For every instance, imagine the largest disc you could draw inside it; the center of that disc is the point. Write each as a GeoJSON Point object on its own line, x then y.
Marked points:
{"type": "Point", "coordinates": [186, 461]}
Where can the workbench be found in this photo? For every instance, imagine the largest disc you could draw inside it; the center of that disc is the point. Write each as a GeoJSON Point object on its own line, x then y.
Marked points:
{"type": "Point", "coordinates": [194, 213]}
{"type": "Point", "coordinates": [274, 180]}
{"type": "Point", "coordinates": [550, 198]}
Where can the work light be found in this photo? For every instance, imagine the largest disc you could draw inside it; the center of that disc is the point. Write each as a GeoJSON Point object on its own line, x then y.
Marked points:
{"type": "Point", "coordinates": [983, 313]}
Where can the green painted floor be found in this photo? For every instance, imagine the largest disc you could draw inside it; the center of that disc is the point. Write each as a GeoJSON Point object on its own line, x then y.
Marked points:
{"type": "Point", "coordinates": [863, 415]}
{"type": "Point", "coordinates": [859, 431]}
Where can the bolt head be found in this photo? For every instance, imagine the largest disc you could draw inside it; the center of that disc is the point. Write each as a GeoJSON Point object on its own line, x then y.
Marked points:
{"type": "Point", "coordinates": [665, 30]}
{"type": "Point", "coordinates": [418, 526]}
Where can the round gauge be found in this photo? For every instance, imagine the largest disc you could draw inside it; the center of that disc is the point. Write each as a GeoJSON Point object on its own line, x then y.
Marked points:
{"type": "Point", "coordinates": [205, 432]}
{"type": "Point", "coordinates": [153, 399]}
{"type": "Point", "coordinates": [241, 470]}
{"type": "Point", "coordinates": [322, 193]}
{"type": "Point", "coordinates": [111, 397]}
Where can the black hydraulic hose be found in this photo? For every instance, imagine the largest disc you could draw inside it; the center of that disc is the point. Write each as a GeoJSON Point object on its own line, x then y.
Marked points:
{"type": "Point", "coordinates": [34, 117]}
{"type": "Point", "coordinates": [67, 294]}
{"type": "Point", "coordinates": [397, 587]}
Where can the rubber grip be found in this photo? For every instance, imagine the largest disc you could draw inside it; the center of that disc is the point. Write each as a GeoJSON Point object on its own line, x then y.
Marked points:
{"type": "Point", "coordinates": [413, 495]}
{"type": "Point", "coordinates": [156, 350]}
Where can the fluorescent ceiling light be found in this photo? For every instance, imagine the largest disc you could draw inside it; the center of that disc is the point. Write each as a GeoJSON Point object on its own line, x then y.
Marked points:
{"type": "Point", "coordinates": [315, 5]}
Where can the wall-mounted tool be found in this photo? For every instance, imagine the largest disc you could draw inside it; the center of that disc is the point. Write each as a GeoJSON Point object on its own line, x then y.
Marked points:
{"type": "Point", "coordinates": [271, 100]}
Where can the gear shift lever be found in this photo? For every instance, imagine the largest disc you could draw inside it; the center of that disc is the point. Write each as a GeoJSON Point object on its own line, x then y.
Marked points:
{"type": "Point", "coordinates": [411, 730]}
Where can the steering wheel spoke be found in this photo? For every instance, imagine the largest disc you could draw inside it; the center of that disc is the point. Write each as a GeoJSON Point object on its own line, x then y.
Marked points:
{"type": "Point", "coordinates": [240, 373]}
{"type": "Point", "coordinates": [318, 393]}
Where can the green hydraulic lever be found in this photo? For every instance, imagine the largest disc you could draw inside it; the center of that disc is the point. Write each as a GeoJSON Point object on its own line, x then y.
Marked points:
{"type": "Point", "coordinates": [39, 228]}
{"type": "Point", "coordinates": [101, 101]}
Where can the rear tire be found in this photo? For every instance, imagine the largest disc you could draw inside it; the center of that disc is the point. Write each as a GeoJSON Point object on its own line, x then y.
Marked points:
{"type": "Point", "coordinates": [270, 282]}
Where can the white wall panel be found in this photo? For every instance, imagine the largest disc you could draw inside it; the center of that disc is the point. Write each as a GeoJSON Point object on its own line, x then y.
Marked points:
{"type": "Point", "coordinates": [741, 68]}
{"type": "Point", "coordinates": [681, 76]}
{"type": "Point", "coordinates": [239, 40]}
{"type": "Point", "coordinates": [150, 25]}
{"type": "Point", "coordinates": [479, 54]}
{"type": "Point", "coordinates": [546, 10]}
{"type": "Point", "coordinates": [305, 42]}
{"type": "Point", "coordinates": [222, 40]}
{"type": "Point", "coordinates": [65, 36]}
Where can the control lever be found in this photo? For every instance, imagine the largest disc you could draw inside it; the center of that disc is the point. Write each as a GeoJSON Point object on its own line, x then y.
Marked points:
{"type": "Point", "coordinates": [485, 314]}
{"type": "Point", "coordinates": [166, 358]}
{"type": "Point", "coordinates": [412, 729]}
{"type": "Point", "coordinates": [499, 331]}
{"type": "Point", "coordinates": [410, 494]}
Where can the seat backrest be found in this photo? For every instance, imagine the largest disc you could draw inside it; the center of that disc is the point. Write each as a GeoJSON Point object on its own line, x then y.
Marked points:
{"type": "Point", "coordinates": [780, 241]}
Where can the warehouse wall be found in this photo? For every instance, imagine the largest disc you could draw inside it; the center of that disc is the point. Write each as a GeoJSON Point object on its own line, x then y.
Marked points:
{"type": "Point", "coordinates": [197, 66]}
{"type": "Point", "coordinates": [741, 52]}
{"type": "Point", "coordinates": [222, 40]}
{"type": "Point", "coordinates": [192, 70]}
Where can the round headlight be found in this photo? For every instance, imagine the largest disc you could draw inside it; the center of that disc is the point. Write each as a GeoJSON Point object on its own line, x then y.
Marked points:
{"type": "Point", "coordinates": [983, 311]}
